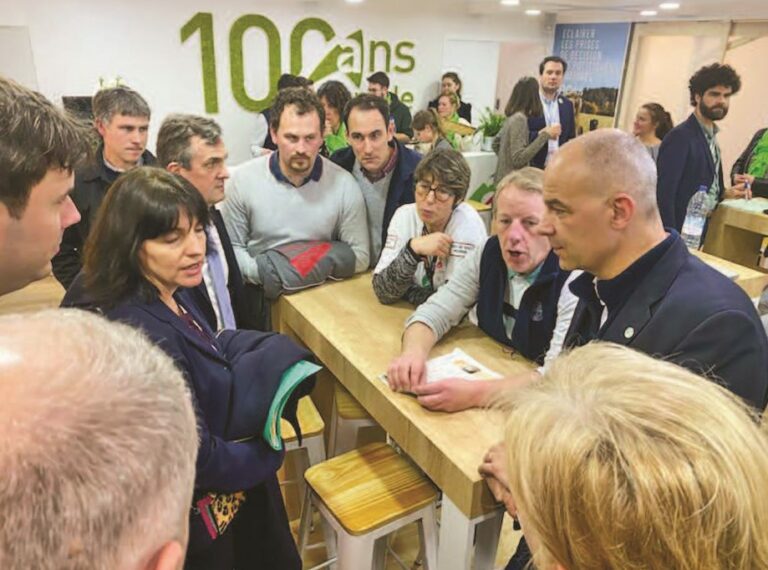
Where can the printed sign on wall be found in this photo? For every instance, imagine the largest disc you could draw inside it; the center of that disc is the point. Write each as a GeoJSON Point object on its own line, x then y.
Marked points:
{"type": "Point", "coordinates": [596, 54]}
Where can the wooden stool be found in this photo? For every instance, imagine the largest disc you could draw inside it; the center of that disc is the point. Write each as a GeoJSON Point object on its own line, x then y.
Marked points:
{"type": "Point", "coordinates": [347, 417]}
{"type": "Point", "coordinates": [365, 495]}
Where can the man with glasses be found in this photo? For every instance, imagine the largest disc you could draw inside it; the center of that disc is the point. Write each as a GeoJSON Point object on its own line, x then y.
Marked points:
{"type": "Point", "coordinates": [426, 240]}
{"type": "Point", "coordinates": [516, 281]}
{"type": "Point", "coordinates": [382, 166]}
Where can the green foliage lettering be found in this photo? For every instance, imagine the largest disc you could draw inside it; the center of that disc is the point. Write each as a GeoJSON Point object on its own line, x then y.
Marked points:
{"type": "Point", "coordinates": [297, 37]}
{"type": "Point", "coordinates": [373, 46]}
{"type": "Point", "coordinates": [237, 64]}
{"type": "Point", "coordinates": [203, 21]}
{"type": "Point", "coordinates": [406, 58]}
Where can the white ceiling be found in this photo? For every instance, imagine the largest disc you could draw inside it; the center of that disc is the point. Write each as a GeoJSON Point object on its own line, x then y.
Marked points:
{"type": "Point", "coordinates": [628, 10]}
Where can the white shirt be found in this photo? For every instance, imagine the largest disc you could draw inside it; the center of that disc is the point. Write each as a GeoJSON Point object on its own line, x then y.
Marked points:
{"type": "Point", "coordinates": [552, 117]}
{"type": "Point", "coordinates": [213, 234]}
{"type": "Point", "coordinates": [465, 227]}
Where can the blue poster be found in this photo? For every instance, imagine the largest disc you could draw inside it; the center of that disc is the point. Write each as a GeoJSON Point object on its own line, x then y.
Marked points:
{"type": "Point", "coordinates": [595, 54]}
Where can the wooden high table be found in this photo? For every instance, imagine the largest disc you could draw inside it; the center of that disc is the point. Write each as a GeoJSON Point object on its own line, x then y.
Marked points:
{"type": "Point", "coordinates": [736, 230]}
{"type": "Point", "coordinates": [356, 337]}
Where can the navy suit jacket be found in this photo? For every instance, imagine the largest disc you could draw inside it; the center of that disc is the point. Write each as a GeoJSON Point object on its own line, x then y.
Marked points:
{"type": "Point", "coordinates": [568, 131]}
{"type": "Point", "coordinates": [234, 283]}
{"type": "Point", "coordinates": [684, 164]}
{"type": "Point", "coordinates": [690, 314]}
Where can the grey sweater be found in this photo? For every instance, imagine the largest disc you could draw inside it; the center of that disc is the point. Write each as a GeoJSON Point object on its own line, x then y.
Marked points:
{"type": "Point", "coordinates": [261, 212]}
{"type": "Point", "coordinates": [515, 151]}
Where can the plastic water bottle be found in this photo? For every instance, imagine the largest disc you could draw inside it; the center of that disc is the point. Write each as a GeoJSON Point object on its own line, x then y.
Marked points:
{"type": "Point", "coordinates": [695, 218]}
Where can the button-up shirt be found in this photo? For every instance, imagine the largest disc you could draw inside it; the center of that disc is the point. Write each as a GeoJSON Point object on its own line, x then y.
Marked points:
{"type": "Point", "coordinates": [552, 117]}
{"type": "Point", "coordinates": [710, 134]}
{"type": "Point", "coordinates": [518, 284]}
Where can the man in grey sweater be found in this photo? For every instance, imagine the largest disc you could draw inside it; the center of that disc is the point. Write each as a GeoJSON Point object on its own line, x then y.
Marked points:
{"type": "Point", "coordinates": [293, 194]}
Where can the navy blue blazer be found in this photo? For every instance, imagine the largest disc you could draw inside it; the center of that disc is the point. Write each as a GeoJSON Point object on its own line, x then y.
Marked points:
{"type": "Point", "coordinates": [222, 465]}
{"type": "Point", "coordinates": [690, 314]}
{"type": "Point", "coordinates": [568, 131]}
{"type": "Point", "coordinates": [400, 186]}
{"type": "Point", "coordinates": [684, 164]}
{"type": "Point", "coordinates": [235, 284]}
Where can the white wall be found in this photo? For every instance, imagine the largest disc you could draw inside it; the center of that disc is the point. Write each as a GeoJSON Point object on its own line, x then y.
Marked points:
{"type": "Point", "coordinates": [77, 41]}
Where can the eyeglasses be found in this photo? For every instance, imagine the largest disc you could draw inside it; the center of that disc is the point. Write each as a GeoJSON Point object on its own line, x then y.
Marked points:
{"type": "Point", "coordinates": [423, 189]}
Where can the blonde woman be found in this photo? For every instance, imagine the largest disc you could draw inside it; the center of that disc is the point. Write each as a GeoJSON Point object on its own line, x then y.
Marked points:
{"type": "Point", "coordinates": [618, 460]}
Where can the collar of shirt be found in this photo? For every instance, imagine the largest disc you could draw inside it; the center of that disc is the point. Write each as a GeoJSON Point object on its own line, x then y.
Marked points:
{"type": "Point", "coordinates": [274, 168]}
{"type": "Point", "coordinates": [117, 170]}
{"type": "Point", "coordinates": [388, 167]}
{"type": "Point", "coordinates": [613, 293]}
{"type": "Point", "coordinates": [710, 133]}
{"type": "Point", "coordinates": [547, 101]}
{"type": "Point", "coordinates": [530, 277]}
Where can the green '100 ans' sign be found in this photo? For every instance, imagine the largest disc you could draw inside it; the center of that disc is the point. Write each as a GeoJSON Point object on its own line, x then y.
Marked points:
{"type": "Point", "coordinates": [348, 58]}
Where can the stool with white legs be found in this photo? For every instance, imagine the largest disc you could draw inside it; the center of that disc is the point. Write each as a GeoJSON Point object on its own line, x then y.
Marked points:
{"type": "Point", "coordinates": [365, 495]}
{"type": "Point", "coordinates": [347, 418]}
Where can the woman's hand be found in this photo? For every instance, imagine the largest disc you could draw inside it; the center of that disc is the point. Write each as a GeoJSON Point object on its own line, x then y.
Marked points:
{"type": "Point", "coordinates": [436, 244]}
{"type": "Point", "coordinates": [553, 131]}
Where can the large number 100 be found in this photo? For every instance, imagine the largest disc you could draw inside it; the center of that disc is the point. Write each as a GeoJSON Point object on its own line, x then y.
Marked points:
{"type": "Point", "coordinates": [203, 22]}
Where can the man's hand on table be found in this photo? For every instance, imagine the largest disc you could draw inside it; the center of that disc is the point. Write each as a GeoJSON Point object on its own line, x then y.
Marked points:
{"type": "Point", "coordinates": [407, 371]}
{"type": "Point", "coordinates": [451, 394]}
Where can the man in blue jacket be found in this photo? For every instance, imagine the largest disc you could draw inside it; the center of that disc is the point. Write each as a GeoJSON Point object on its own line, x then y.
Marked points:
{"type": "Point", "coordinates": [689, 156]}
{"type": "Point", "coordinates": [382, 166]}
{"type": "Point", "coordinates": [558, 109]}
{"type": "Point", "coordinates": [641, 287]}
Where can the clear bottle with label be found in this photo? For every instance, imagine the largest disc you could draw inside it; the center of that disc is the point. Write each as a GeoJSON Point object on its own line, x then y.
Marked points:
{"type": "Point", "coordinates": [695, 218]}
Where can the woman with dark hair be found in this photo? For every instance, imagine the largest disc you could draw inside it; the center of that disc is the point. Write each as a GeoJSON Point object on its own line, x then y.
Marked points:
{"type": "Point", "coordinates": [147, 247]}
{"type": "Point", "coordinates": [515, 147]}
{"type": "Point", "coordinates": [334, 96]}
{"type": "Point", "coordinates": [751, 168]}
{"type": "Point", "coordinates": [451, 83]}
{"type": "Point", "coordinates": [428, 131]}
{"type": "Point", "coordinates": [652, 123]}
{"type": "Point", "coordinates": [426, 240]}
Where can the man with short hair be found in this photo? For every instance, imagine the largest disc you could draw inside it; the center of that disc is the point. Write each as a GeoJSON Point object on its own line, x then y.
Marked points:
{"type": "Point", "coordinates": [518, 287]}
{"type": "Point", "coordinates": [121, 118]}
{"type": "Point", "coordinates": [689, 156]}
{"type": "Point", "coordinates": [294, 194]}
{"type": "Point", "coordinates": [40, 146]}
{"type": "Point", "coordinates": [641, 287]}
{"type": "Point", "coordinates": [558, 109]}
{"type": "Point", "coordinates": [383, 167]}
{"type": "Point", "coordinates": [191, 146]}
{"type": "Point", "coordinates": [261, 142]}
{"type": "Point", "coordinates": [99, 446]}
{"type": "Point", "coordinates": [378, 85]}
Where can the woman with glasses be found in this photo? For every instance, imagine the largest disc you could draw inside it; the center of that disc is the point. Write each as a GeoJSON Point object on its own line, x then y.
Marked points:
{"type": "Point", "coordinates": [426, 240]}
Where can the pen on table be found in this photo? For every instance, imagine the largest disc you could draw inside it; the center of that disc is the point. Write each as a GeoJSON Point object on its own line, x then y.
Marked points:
{"type": "Point", "coordinates": [748, 188]}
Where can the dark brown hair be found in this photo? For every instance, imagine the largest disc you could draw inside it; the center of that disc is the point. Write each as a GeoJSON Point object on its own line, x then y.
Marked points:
{"type": "Point", "coordinates": [367, 102]}
{"type": "Point", "coordinates": [453, 76]}
{"type": "Point", "coordinates": [35, 137]}
{"type": "Point", "coordinates": [525, 99]}
{"type": "Point", "coordinates": [427, 118]}
{"type": "Point", "coordinates": [659, 117]}
{"type": "Point", "coordinates": [303, 99]}
{"type": "Point", "coordinates": [336, 95]}
{"type": "Point", "coordinates": [711, 76]}
{"type": "Point", "coordinates": [448, 168]}
{"type": "Point", "coordinates": [144, 203]}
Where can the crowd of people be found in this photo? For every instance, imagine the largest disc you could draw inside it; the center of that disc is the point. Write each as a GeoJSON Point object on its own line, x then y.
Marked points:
{"type": "Point", "coordinates": [635, 443]}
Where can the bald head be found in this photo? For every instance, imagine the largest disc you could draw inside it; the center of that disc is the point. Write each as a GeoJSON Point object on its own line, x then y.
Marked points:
{"type": "Point", "coordinates": [609, 161]}
{"type": "Point", "coordinates": [97, 444]}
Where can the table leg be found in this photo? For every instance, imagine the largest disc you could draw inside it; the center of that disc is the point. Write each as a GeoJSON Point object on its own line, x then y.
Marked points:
{"type": "Point", "coordinates": [487, 540]}
{"type": "Point", "coordinates": [456, 537]}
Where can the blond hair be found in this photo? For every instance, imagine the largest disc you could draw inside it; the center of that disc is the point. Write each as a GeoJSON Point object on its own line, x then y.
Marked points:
{"type": "Point", "coordinates": [618, 460]}
{"type": "Point", "coordinates": [528, 179]}
{"type": "Point", "coordinates": [97, 444]}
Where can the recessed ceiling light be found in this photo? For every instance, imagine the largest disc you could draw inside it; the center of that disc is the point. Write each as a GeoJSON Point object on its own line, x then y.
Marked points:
{"type": "Point", "coordinates": [648, 13]}
{"type": "Point", "coordinates": [533, 12]}
{"type": "Point", "coordinates": [510, 2]}
{"type": "Point", "coordinates": [354, 1]}
{"type": "Point", "coordinates": [669, 6]}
